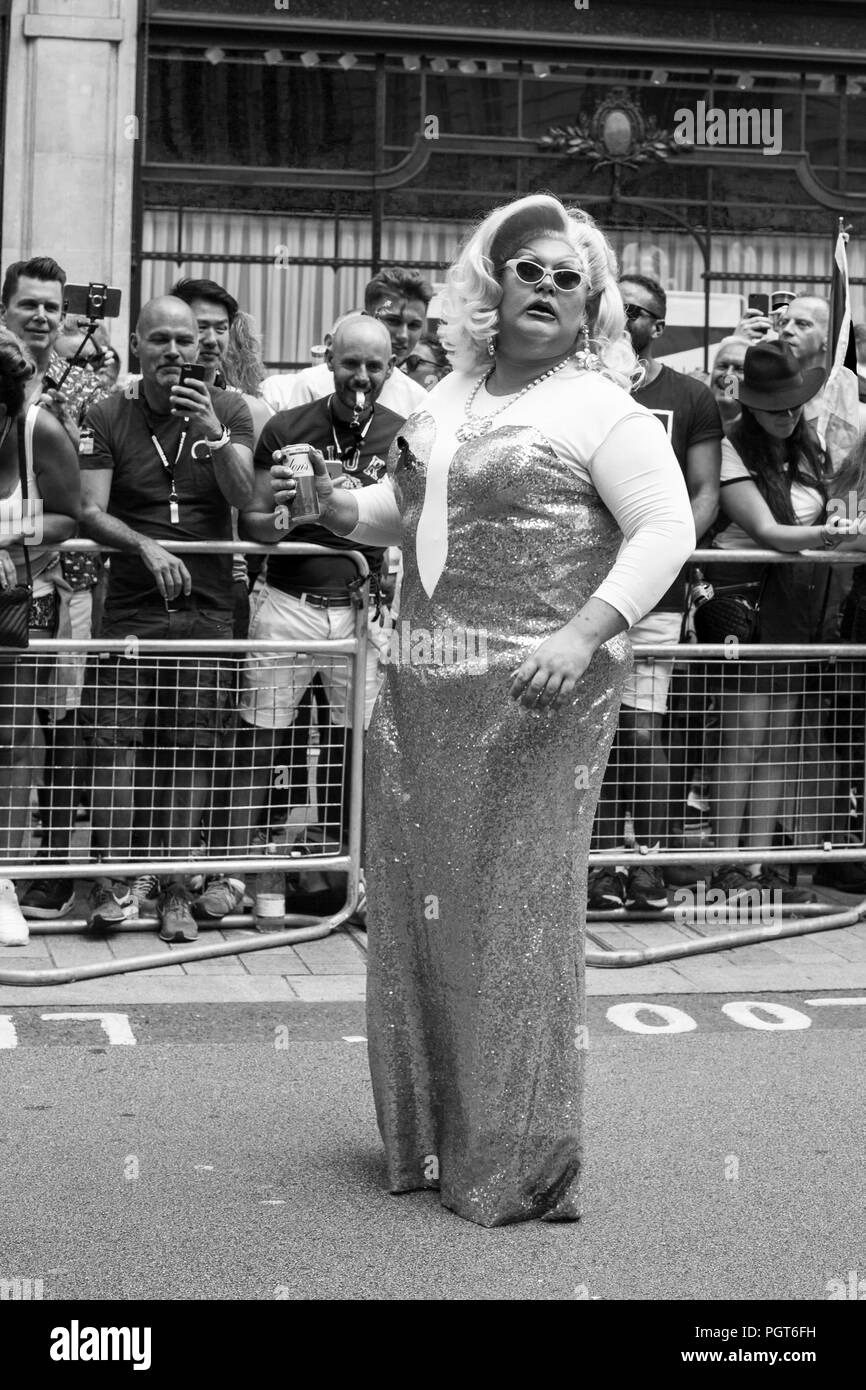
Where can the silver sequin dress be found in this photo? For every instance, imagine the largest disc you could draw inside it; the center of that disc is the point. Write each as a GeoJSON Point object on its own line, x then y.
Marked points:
{"type": "Point", "coordinates": [478, 826]}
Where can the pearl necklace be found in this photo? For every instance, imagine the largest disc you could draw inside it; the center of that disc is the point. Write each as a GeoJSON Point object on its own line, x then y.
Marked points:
{"type": "Point", "coordinates": [475, 425]}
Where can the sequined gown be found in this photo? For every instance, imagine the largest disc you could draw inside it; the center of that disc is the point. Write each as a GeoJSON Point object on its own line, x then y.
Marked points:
{"type": "Point", "coordinates": [478, 826]}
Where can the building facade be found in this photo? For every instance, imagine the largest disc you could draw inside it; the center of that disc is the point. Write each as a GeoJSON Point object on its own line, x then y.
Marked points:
{"type": "Point", "coordinates": [288, 147]}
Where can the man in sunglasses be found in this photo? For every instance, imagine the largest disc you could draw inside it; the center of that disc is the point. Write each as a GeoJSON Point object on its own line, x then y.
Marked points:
{"type": "Point", "coordinates": [690, 416]}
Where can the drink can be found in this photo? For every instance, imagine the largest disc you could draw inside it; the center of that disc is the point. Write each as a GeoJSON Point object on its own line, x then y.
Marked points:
{"type": "Point", "coordinates": [296, 460]}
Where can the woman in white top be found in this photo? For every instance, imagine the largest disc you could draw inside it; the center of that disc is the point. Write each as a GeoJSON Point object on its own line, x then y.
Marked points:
{"type": "Point", "coordinates": [511, 488]}
{"type": "Point", "coordinates": [50, 516]}
{"type": "Point", "coordinates": [775, 487]}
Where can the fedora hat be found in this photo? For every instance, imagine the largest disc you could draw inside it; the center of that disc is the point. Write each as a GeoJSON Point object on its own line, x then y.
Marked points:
{"type": "Point", "coordinates": [774, 380]}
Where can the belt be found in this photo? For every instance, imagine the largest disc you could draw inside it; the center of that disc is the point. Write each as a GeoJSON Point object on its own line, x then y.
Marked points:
{"type": "Point", "coordinates": [322, 600]}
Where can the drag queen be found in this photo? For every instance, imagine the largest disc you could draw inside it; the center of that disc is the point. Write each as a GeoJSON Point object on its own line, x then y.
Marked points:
{"type": "Point", "coordinates": [511, 490]}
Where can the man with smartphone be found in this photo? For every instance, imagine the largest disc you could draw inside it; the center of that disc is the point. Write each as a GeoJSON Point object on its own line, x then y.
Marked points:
{"type": "Point", "coordinates": [163, 461]}
{"type": "Point", "coordinates": [803, 324]}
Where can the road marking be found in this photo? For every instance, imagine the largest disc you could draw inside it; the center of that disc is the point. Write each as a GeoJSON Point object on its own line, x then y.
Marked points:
{"type": "Point", "coordinates": [355, 1037]}
{"type": "Point", "coordinates": [781, 1016]}
{"type": "Point", "coordinates": [625, 1016]}
{"type": "Point", "coordinates": [115, 1026]}
{"type": "Point", "coordinates": [822, 1003]}
{"type": "Point", "coordinates": [203, 1167]}
{"type": "Point", "coordinates": [8, 1036]}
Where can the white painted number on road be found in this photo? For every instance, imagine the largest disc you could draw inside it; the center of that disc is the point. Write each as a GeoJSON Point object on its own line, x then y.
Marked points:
{"type": "Point", "coordinates": [671, 1020]}
{"type": "Point", "coordinates": [748, 1013]}
{"type": "Point", "coordinates": [8, 1036]}
{"type": "Point", "coordinates": [115, 1026]}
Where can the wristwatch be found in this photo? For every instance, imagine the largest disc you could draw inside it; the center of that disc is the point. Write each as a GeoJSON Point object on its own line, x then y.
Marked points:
{"type": "Point", "coordinates": [224, 439]}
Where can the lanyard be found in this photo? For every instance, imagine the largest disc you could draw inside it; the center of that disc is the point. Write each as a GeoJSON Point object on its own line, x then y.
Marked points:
{"type": "Point", "coordinates": [173, 503]}
{"type": "Point", "coordinates": [351, 462]}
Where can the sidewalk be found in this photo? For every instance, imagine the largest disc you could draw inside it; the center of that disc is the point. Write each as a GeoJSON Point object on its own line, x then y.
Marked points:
{"type": "Point", "coordinates": [333, 969]}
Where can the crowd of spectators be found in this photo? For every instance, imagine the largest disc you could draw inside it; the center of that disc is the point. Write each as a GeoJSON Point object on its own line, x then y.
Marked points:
{"type": "Point", "coordinates": [174, 756]}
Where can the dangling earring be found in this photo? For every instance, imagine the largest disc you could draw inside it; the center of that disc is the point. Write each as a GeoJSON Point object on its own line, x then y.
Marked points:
{"type": "Point", "coordinates": [491, 347]}
{"type": "Point", "coordinates": [583, 356]}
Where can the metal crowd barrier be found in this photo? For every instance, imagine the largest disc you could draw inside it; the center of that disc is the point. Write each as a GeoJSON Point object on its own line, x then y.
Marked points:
{"type": "Point", "coordinates": [817, 729]}
{"type": "Point", "coordinates": [832, 696]}
{"type": "Point", "coordinates": [269, 849]}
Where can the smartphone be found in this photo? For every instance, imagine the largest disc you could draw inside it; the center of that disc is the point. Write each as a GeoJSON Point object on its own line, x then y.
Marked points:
{"type": "Point", "coordinates": [93, 301]}
{"type": "Point", "coordinates": [760, 301]}
{"type": "Point", "coordinates": [191, 371]}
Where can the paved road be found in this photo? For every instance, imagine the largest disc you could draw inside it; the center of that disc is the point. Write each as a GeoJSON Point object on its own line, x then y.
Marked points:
{"type": "Point", "coordinates": [228, 1151]}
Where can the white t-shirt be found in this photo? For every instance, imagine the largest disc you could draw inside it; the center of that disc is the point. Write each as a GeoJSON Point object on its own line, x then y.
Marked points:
{"type": "Point", "coordinates": [400, 393]}
{"type": "Point", "coordinates": [609, 441]}
{"type": "Point", "coordinates": [806, 502]}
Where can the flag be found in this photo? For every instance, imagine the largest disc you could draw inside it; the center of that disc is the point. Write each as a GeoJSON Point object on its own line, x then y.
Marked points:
{"type": "Point", "coordinates": [838, 418]}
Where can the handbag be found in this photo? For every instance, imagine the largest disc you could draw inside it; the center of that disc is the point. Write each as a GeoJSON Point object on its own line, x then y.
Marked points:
{"type": "Point", "coordinates": [733, 611]}
{"type": "Point", "coordinates": [15, 601]}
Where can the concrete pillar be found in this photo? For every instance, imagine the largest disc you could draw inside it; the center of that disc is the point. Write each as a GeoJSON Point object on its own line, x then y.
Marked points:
{"type": "Point", "coordinates": [70, 140]}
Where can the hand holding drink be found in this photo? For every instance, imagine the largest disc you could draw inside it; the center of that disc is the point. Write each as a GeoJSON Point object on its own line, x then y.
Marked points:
{"type": "Point", "coordinates": [301, 483]}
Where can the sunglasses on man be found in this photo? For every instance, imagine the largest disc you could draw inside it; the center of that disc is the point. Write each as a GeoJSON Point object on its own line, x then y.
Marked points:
{"type": "Point", "coordinates": [413, 362]}
{"type": "Point", "coordinates": [531, 273]}
{"type": "Point", "coordinates": [634, 311]}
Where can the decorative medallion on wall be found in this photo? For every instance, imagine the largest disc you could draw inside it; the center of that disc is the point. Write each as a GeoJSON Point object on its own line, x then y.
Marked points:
{"type": "Point", "coordinates": [617, 134]}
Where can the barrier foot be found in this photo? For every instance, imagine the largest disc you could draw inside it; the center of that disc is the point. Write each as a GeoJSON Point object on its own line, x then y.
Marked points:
{"type": "Point", "coordinates": [725, 941]}
{"type": "Point", "coordinates": [315, 929]}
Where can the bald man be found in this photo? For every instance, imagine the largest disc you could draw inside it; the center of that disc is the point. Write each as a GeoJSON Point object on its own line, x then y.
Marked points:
{"type": "Point", "coordinates": [310, 596]}
{"type": "Point", "coordinates": [165, 460]}
{"type": "Point", "coordinates": [725, 377]}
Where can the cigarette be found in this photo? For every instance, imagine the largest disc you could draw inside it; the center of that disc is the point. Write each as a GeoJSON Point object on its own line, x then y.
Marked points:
{"type": "Point", "coordinates": [359, 400]}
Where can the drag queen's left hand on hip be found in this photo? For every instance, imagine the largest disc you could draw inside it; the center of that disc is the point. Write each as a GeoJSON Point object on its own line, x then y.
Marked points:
{"type": "Point", "coordinates": [548, 677]}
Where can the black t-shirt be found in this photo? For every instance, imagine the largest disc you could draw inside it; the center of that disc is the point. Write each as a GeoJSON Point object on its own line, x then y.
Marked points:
{"type": "Point", "coordinates": [313, 424]}
{"type": "Point", "coordinates": [117, 435]}
{"type": "Point", "coordinates": [689, 413]}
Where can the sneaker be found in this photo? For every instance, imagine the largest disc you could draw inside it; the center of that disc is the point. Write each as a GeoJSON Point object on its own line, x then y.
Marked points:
{"type": "Point", "coordinates": [772, 882]}
{"type": "Point", "coordinates": [359, 917]}
{"type": "Point", "coordinates": [111, 904]}
{"type": "Point", "coordinates": [221, 897]}
{"type": "Point", "coordinates": [175, 909]}
{"type": "Point", "coordinates": [735, 883]}
{"type": "Point", "coordinates": [48, 897]}
{"type": "Point", "coordinates": [605, 890]}
{"type": "Point", "coordinates": [844, 877]}
{"type": "Point", "coordinates": [645, 889]}
{"type": "Point", "coordinates": [13, 928]}
{"type": "Point", "coordinates": [145, 890]}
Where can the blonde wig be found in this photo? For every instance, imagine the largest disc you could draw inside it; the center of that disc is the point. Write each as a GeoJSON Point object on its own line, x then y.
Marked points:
{"type": "Point", "coordinates": [470, 317]}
